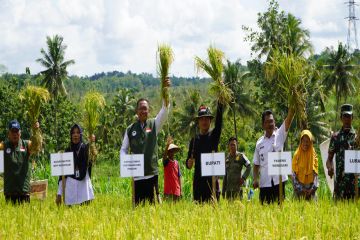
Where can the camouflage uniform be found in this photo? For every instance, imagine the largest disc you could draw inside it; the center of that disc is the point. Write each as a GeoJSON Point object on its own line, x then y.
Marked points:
{"type": "Point", "coordinates": [344, 183]}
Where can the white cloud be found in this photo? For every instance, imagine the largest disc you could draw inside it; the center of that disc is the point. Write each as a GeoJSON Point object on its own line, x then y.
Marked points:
{"type": "Point", "coordinates": [106, 35]}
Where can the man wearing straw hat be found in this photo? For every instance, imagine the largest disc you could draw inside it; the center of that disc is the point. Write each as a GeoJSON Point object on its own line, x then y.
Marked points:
{"type": "Point", "coordinates": [206, 141]}
{"type": "Point", "coordinates": [17, 165]}
{"type": "Point", "coordinates": [272, 141]}
{"type": "Point", "coordinates": [172, 182]}
{"type": "Point", "coordinates": [141, 138]}
{"type": "Point", "coordinates": [342, 140]}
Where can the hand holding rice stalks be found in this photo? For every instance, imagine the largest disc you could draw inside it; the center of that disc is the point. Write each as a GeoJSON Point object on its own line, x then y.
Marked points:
{"type": "Point", "coordinates": [34, 97]}
{"type": "Point", "coordinates": [214, 67]}
{"type": "Point", "coordinates": [165, 59]}
{"type": "Point", "coordinates": [290, 74]}
{"type": "Point", "coordinates": [93, 104]}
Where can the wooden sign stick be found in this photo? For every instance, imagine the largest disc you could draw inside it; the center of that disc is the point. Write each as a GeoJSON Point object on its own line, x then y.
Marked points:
{"type": "Point", "coordinates": [63, 187]}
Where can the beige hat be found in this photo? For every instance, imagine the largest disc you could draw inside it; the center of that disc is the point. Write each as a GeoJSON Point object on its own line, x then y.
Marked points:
{"type": "Point", "coordinates": [173, 147]}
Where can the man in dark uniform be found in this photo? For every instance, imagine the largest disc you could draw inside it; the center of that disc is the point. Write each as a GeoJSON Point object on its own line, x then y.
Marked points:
{"type": "Point", "coordinates": [17, 165]}
{"type": "Point", "coordinates": [342, 140]}
{"type": "Point", "coordinates": [206, 141]}
{"type": "Point", "coordinates": [234, 178]}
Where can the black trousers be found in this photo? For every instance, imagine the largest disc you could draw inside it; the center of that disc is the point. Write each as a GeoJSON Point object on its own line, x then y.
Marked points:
{"type": "Point", "coordinates": [17, 199]}
{"type": "Point", "coordinates": [144, 190]}
{"type": "Point", "coordinates": [271, 194]}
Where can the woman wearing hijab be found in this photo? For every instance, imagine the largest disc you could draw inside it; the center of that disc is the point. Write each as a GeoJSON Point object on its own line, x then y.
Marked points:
{"type": "Point", "coordinates": [305, 168]}
{"type": "Point", "coordinates": [78, 187]}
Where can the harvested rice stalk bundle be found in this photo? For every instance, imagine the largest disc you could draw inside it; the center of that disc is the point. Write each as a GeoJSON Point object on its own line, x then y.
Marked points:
{"type": "Point", "coordinates": [93, 104]}
{"type": "Point", "coordinates": [214, 67]}
{"type": "Point", "coordinates": [290, 74]}
{"type": "Point", "coordinates": [33, 98]}
{"type": "Point", "coordinates": [165, 59]}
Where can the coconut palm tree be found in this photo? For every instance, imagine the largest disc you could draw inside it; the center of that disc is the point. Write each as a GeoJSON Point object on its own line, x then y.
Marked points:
{"type": "Point", "coordinates": [340, 73]}
{"type": "Point", "coordinates": [56, 70]}
{"type": "Point", "coordinates": [234, 78]}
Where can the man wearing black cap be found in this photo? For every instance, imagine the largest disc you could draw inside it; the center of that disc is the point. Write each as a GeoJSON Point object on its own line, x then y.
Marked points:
{"type": "Point", "coordinates": [17, 165]}
{"type": "Point", "coordinates": [341, 141]}
{"type": "Point", "coordinates": [205, 142]}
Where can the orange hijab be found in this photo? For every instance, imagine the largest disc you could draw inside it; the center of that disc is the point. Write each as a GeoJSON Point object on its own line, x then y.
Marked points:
{"type": "Point", "coordinates": [305, 163]}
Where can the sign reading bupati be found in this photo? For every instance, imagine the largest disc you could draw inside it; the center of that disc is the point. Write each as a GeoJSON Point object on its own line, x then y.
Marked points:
{"type": "Point", "coordinates": [213, 164]}
{"type": "Point", "coordinates": [132, 165]}
{"type": "Point", "coordinates": [352, 161]}
{"type": "Point", "coordinates": [279, 163]}
{"type": "Point", "coordinates": [62, 164]}
{"type": "Point", "coordinates": [1, 161]}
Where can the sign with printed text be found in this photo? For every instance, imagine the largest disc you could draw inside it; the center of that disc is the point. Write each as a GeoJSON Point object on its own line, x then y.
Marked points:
{"type": "Point", "coordinates": [132, 165]}
{"type": "Point", "coordinates": [62, 164]}
{"type": "Point", "coordinates": [352, 161]}
{"type": "Point", "coordinates": [1, 161]}
{"type": "Point", "coordinates": [213, 164]}
{"type": "Point", "coordinates": [279, 163]}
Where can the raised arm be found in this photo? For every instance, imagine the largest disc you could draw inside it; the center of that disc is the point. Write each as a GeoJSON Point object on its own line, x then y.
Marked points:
{"type": "Point", "coordinates": [289, 118]}
{"type": "Point", "coordinates": [218, 122]}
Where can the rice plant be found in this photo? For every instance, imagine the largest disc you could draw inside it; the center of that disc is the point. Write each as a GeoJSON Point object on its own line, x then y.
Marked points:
{"type": "Point", "coordinates": [33, 98]}
{"type": "Point", "coordinates": [213, 66]}
{"type": "Point", "coordinates": [93, 104]}
{"type": "Point", "coordinates": [165, 59]}
{"type": "Point", "coordinates": [290, 75]}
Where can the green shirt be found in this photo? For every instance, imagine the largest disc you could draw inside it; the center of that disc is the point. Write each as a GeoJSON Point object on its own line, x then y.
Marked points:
{"type": "Point", "coordinates": [17, 168]}
{"type": "Point", "coordinates": [234, 165]}
{"type": "Point", "coordinates": [143, 140]}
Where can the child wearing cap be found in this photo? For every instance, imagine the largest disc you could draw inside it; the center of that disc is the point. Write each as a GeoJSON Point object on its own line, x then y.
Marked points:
{"type": "Point", "coordinates": [172, 182]}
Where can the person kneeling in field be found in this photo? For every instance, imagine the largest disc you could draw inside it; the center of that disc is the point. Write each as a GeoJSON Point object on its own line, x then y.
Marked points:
{"type": "Point", "coordinates": [78, 187]}
{"type": "Point", "coordinates": [234, 180]}
{"type": "Point", "coordinates": [17, 164]}
{"type": "Point", "coordinates": [305, 168]}
{"type": "Point", "coordinates": [172, 182]}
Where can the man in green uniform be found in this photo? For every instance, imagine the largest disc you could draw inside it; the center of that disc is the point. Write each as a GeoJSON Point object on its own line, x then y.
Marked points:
{"type": "Point", "coordinates": [17, 165]}
{"type": "Point", "coordinates": [341, 141]}
{"type": "Point", "coordinates": [234, 180]}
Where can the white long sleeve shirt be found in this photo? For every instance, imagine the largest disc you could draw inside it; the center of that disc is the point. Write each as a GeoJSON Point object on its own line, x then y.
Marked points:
{"type": "Point", "coordinates": [265, 145]}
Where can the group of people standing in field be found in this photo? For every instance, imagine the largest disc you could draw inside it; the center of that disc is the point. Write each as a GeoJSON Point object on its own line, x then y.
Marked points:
{"type": "Point", "coordinates": [141, 138]}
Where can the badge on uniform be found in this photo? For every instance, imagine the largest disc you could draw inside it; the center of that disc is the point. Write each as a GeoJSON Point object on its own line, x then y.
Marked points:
{"type": "Point", "coordinates": [133, 133]}
{"type": "Point", "coordinates": [237, 158]}
{"type": "Point", "coordinates": [22, 149]}
{"type": "Point", "coordinates": [148, 130]}
{"type": "Point", "coordinates": [8, 150]}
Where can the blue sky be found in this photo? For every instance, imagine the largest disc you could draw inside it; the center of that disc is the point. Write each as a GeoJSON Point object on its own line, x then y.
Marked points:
{"type": "Point", "coordinates": [107, 35]}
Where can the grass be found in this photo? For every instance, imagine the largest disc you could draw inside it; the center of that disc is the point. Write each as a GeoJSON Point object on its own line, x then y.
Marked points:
{"type": "Point", "coordinates": [112, 217]}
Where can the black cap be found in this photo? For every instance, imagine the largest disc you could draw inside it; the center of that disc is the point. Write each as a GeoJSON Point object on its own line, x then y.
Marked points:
{"type": "Point", "coordinates": [346, 109]}
{"type": "Point", "coordinates": [14, 124]}
{"type": "Point", "coordinates": [204, 112]}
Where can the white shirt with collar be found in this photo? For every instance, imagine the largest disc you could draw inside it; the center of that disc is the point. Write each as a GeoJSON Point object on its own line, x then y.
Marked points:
{"type": "Point", "coordinates": [265, 145]}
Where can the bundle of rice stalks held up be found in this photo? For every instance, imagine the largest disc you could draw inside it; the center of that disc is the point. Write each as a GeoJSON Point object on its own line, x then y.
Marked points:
{"type": "Point", "coordinates": [33, 98]}
{"type": "Point", "coordinates": [290, 75]}
{"type": "Point", "coordinates": [165, 59]}
{"type": "Point", "coordinates": [93, 104]}
{"type": "Point", "coordinates": [214, 67]}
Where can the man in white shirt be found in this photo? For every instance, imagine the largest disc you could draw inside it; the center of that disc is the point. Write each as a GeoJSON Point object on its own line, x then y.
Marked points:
{"type": "Point", "coordinates": [272, 141]}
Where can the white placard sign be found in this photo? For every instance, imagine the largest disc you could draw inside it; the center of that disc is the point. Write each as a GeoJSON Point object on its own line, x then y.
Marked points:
{"type": "Point", "coordinates": [132, 165]}
{"type": "Point", "coordinates": [213, 164]}
{"type": "Point", "coordinates": [1, 161]}
{"type": "Point", "coordinates": [62, 164]}
{"type": "Point", "coordinates": [352, 161]}
{"type": "Point", "coordinates": [279, 163]}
